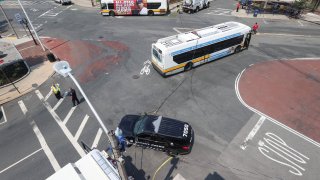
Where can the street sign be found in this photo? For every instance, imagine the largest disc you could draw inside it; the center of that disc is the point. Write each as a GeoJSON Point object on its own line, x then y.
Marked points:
{"type": "Point", "coordinates": [18, 17]}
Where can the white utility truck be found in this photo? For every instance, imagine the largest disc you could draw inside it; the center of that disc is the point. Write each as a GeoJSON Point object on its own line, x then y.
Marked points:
{"type": "Point", "coordinates": [93, 166]}
{"type": "Point", "coordinates": [191, 6]}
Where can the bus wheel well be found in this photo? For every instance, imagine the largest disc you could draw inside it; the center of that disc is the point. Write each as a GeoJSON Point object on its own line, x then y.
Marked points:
{"type": "Point", "coordinates": [188, 66]}
{"type": "Point", "coordinates": [238, 49]}
{"type": "Point", "coordinates": [111, 13]}
{"type": "Point", "coordinates": [150, 13]}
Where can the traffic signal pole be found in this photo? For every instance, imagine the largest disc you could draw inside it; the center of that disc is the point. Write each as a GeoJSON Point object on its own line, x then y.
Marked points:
{"type": "Point", "coordinates": [35, 32]}
{"type": "Point", "coordinates": [112, 138]}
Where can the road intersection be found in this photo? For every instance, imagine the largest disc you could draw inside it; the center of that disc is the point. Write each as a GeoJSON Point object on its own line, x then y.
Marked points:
{"type": "Point", "coordinates": [205, 97]}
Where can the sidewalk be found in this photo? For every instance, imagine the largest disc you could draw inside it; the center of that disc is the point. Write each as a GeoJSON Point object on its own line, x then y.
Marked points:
{"type": "Point", "coordinates": [310, 17]}
{"type": "Point", "coordinates": [40, 68]}
{"type": "Point", "coordinates": [243, 13]}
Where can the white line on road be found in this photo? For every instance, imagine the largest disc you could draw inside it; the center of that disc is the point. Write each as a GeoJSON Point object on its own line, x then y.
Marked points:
{"type": "Point", "coordinates": [58, 104]}
{"type": "Point", "coordinates": [83, 123]}
{"type": "Point", "coordinates": [300, 23]}
{"type": "Point", "coordinates": [19, 161]}
{"type": "Point", "coordinates": [97, 138]}
{"type": "Point", "coordinates": [264, 21]}
{"type": "Point", "coordinates": [48, 95]}
{"type": "Point", "coordinates": [62, 125]}
{"type": "Point", "coordinates": [175, 29]}
{"type": "Point", "coordinates": [41, 139]}
{"type": "Point", "coordinates": [252, 133]}
{"type": "Point", "coordinates": [4, 116]}
{"type": "Point", "coordinates": [268, 117]}
{"type": "Point", "coordinates": [66, 119]}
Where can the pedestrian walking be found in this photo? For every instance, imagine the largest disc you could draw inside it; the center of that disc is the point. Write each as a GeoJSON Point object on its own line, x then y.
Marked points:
{"type": "Point", "coordinates": [74, 97]}
{"type": "Point", "coordinates": [255, 28]}
{"type": "Point", "coordinates": [55, 88]}
{"type": "Point", "coordinates": [238, 6]}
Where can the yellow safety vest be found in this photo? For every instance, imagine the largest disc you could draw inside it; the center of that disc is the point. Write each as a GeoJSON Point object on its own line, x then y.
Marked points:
{"type": "Point", "coordinates": [55, 88]}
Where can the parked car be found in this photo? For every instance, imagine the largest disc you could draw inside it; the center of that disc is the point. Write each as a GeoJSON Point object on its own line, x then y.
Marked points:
{"type": "Point", "coordinates": [63, 2]}
{"type": "Point", "coordinates": [156, 132]}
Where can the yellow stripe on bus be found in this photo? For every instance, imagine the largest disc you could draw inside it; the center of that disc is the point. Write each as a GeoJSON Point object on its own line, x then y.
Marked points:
{"type": "Point", "coordinates": [105, 10]}
{"type": "Point", "coordinates": [181, 65]}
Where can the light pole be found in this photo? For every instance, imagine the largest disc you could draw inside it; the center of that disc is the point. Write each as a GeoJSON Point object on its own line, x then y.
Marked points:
{"type": "Point", "coordinates": [35, 32]}
{"type": "Point", "coordinates": [63, 68]}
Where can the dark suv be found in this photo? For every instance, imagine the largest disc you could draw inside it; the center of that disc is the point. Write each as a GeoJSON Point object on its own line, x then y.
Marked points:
{"type": "Point", "coordinates": [157, 132]}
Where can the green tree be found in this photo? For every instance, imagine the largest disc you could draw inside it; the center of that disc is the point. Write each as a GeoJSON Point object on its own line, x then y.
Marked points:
{"type": "Point", "coordinates": [301, 4]}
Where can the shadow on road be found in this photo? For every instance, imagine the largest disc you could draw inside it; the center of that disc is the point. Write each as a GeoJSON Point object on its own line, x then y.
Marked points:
{"type": "Point", "coordinates": [214, 176]}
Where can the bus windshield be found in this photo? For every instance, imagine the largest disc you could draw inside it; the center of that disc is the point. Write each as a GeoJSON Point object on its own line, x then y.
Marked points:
{"type": "Point", "coordinates": [156, 54]}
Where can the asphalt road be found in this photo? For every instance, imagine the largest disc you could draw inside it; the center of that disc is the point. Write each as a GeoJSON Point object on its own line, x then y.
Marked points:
{"type": "Point", "coordinates": [205, 97]}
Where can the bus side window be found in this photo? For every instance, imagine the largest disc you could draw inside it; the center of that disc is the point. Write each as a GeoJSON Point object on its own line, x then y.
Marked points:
{"type": "Point", "coordinates": [103, 6]}
{"type": "Point", "coordinates": [153, 5]}
{"type": "Point", "coordinates": [110, 6]}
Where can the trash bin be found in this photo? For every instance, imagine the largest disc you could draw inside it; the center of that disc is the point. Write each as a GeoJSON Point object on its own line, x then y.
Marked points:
{"type": "Point", "coordinates": [51, 57]}
{"type": "Point", "coordinates": [255, 13]}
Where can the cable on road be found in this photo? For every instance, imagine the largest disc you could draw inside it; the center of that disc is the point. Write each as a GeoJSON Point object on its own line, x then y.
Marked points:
{"type": "Point", "coordinates": [154, 175]}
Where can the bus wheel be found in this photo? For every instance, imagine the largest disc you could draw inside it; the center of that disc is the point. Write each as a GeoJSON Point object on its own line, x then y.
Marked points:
{"type": "Point", "coordinates": [150, 13]}
{"type": "Point", "coordinates": [237, 50]}
{"type": "Point", "coordinates": [197, 9]}
{"type": "Point", "coordinates": [111, 13]}
{"type": "Point", "coordinates": [188, 66]}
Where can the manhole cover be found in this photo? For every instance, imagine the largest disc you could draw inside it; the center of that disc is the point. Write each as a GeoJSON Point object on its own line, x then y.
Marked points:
{"type": "Point", "coordinates": [135, 76]}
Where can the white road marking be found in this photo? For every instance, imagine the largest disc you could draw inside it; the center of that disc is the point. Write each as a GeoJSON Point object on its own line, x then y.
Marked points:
{"type": "Point", "coordinates": [146, 68]}
{"type": "Point", "coordinates": [83, 123]}
{"type": "Point", "coordinates": [48, 95]}
{"type": "Point", "coordinates": [264, 21]}
{"type": "Point", "coordinates": [252, 133]}
{"type": "Point", "coordinates": [12, 165]}
{"type": "Point", "coordinates": [4, 116]}
{"type": "Point", "coordinates": [175, 29]}
{"type": "Point", "coordinates": [97, 138]}
{"type": "Point", "coordinates": [53, 161]}
{"type": "Point", "coordinates": [279, 147]}
{"type": "Point", "coordinates": [300, 23]}
{"type": "Point", "coordinates": [270, 118]}
{"type": "Point", "coordinates": [62, 125]}
{"type": "Point", "coordinates": [58, 104]}
{"type": "Point", "coordinates": [69, 115]}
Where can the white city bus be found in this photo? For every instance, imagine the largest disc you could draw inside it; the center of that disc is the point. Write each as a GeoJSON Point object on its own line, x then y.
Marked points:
{"type": "Point", "coordinates": [134, 7]}
{"type": "Point", "coordinates": [186, 50]}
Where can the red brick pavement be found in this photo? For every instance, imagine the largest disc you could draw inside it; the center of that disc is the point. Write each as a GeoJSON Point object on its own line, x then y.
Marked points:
{"type": "Point", "coordinates": [31, 53]}
{"type": "Point", "coordinates": [88, 59]}
{"type": "Point", "coordinates": [286, 90]}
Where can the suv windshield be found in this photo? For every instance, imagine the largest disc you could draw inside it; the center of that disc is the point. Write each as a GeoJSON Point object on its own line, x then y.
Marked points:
{"type": "Point", "coordinates": [139, 126]}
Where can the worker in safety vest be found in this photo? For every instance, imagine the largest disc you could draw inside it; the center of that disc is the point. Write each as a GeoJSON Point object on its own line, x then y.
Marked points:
{"type": "Point", "coordinates": [56, 90]}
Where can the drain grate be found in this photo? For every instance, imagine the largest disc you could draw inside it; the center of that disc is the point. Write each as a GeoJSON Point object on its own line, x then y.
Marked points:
{"type": "Point", "coordinates": [135, 76]}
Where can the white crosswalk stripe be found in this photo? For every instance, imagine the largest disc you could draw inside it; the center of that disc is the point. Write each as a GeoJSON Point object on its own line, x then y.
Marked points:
{"type": "Point", "coordinates": [24, 3]}
{"type": "Point", "coordinates": [220, 12]}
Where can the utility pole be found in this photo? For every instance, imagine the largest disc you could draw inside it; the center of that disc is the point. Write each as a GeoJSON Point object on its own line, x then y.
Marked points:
{"type": "Point", "coordinates": [63, 68]}
{"type": "Point", "coordinates": [35, 32]}
{"type": "Point", "coordinates": [5, 15]}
